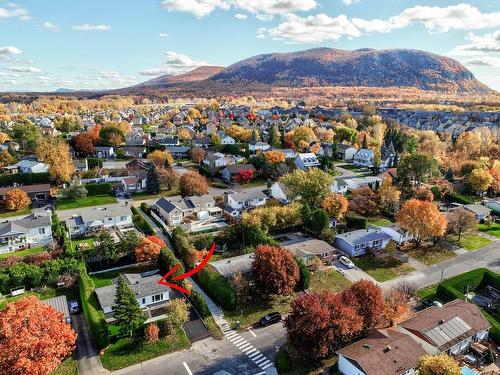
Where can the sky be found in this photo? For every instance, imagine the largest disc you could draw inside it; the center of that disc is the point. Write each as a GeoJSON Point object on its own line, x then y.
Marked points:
{"type": "Point", "coordinates": [102, 44]}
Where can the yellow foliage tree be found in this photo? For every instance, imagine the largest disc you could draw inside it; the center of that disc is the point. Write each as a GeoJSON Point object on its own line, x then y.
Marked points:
{"type": "Point", "coordinates": [17, 199]}
{"type": "Point", "coordinates": [55, 152]}
{"type": "Point", "coordinates": [336, 205]}
{"type": "Point", "coordinates": [161, 158]}
{"type": "Point", "coordinates": [480, 180]}
{"type": "Point", "coordinates": [441, 364]}
{"type": "Point", "coordinates": [274, 157]}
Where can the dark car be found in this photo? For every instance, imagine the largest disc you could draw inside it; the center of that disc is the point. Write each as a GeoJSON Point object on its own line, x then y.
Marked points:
{"type": "Point", "coordinates": [272, 318]}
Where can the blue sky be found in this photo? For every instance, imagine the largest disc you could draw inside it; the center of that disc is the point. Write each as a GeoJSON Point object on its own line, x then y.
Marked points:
{"type": "Point", "coordinates": [99, 44]}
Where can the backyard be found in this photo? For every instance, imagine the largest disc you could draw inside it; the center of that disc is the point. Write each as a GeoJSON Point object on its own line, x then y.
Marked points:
{"type": "Point", "coordinates": [329, 280]}
{"type": "Point", "coordinates": [96, 200]}
{"type": "Point", "coordinates": [46, 293]}
{"type": "Point", "coordinates": [382, 268]}
{"type": "Point", "coordinates": [379, 221]}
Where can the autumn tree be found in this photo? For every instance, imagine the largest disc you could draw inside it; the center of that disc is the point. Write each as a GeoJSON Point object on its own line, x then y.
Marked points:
{"type": "Point", "coordinates": [34, 338]}
{"type": "Point", "coordinates": [147, 250]}
{"type": "Point", "coordinates": [127, 312]}
{"type": "Point", "coordinates": [275, 270]}
{"type": "Point", "coordinates": [105, 247]}
{"type": "Point", "coordinates": [111, 135]}
{"type": "Point", "coordinates": [4, 137]}
{"type": "Point", "coordinates": [417, 168]}
{"type": "Point", "coordinates": [16, 199]}
{"type": "Point", "coordinates": [183, 134]}
{"type": "Point", "coordinates": [193, 183]}
{"type": "Point", "coordinates": [274, 157]}
{"type": "Point", "coordinates": [423, 193]}
{"type": "Point", "coordinates": [366, 298]}
{"type": "Point", "coordinates": [177, 313]}
{"type": "Point", "coordinates": [157, 240]}
{"type": "Point", "coordinates": [26, 134]}
{"type": "Point", "coordinates": [84, 143]}
{"type": "Point", "coordinates": [161, 158]}
{"type": "Point", "coordinates": [244, 176]}
{"type": "Point", "coordinates": [67, 123]}
{"type": "Point", "coordinates": [439, 364]}
{"type": "Point", "coordinates": [320, 323]}
{"type": "Point", "coordinates": [389, 194]}
{"type": "Point", "coordinates": [300, 138]}
{"type": "Point", "coordinates": [422, 220]}
{"type": "Point", "coordinates": [365, 201]}
{"type": "Point", "coordinates": [5, 158]}
{"type": "Point", "coordinates": [396, 307]}
{"type": "Point", "coordinates": [168, 177]}
{"type": "Point", "coordinates": [480, 180]}
{"type": "Point", "coordinates": [197, 154]}
{"type": "Point", "coordinates": [55, 152]}
{"type": "Point", "coordinates": [461, 221]}
{"type": "Point", "coordinates": [311, 186]}
{"type": "Point", "coordinates": [336, 205]}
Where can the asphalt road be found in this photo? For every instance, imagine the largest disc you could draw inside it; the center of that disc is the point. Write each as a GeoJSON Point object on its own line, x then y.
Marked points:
{"type": "Point", "coordinates": [208, 356]}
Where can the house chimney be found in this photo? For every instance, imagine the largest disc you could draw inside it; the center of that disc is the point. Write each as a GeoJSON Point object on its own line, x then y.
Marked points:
{"type": "Point", "coordinates": [387, 348]}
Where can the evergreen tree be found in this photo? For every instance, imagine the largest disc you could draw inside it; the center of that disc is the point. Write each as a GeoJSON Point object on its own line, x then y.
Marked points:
{"type": "Point", "coordinates": [106, 248]}
{"type": "Point", "coordinates": [127, 312]}
{"type": "Point", "coordinates": [153, 180]}
{"type": "Point", "coordinates": [274, 138]}
{"type": "Point", "coordinates": [365, 143]}
{"type": "Point", "coordinates": [254, 138]}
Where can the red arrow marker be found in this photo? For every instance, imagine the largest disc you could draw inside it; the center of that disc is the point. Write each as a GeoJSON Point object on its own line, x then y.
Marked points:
{"type": "Point", "coordinates": [163, 280]}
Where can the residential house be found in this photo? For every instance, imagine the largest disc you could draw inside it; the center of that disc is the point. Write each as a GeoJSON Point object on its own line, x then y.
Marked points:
{"type": "Point", "coordinates": [227, 140]}
{"type": "Point", "coordinates": [231, 266]}
{"type": "Point", "coordinates": [398, 234]}
{"type": "Point", "coordinates": [201, 142]}
{"type": "Point", "coordinates": [309, 249]}
{"type": "Point", "coordinates": [214, 161]}
{"type": "Point", "coordinates": [481, 212]}
{"type": "Point", "coordinates": [346, 152]}
{"type": "Point", "coordinates": [236, 202]}
{"type": "Point", "coordinates": [26, 166]}
{"type": "Point", "coordinates": [60, 303]}
{"type": "Point", "coordinates": [39, 193]}
{"type": "Point", "coordinates": [138, 166]}
{"type": "Point", "coordinates": [280, 192]}
{"type": "Point", "coordinates": [134, 184]}
{"type": "Point", "coordinates": [173, 211]}
{"type": "Point", "coordinates": [81, 165]}
{"type": "Point", "coordinates": [135, 151]}
{"type": "Point", "coordinates": [178, 151]}
{"type": "Point", "coordinates": [231, 171]}
{"type": "Point", "coordinates": [104, 152]}
{"type": "Point", "coordinates": [168, 141]}
{"type": "Point", "coordinates": [258, 146]}
{"type": "Point", "coordinates": [305, 161]}
{"type": "Point", "coordinates": [358, 242]}
{"type": "Point", "coordinates": [93, 219]}
{"type": "Point", "coordinates": [342, 185]}
{"type": "Point", "coordinates": [150, 295]}
{"type": "Point", "coordinates": [32, 231]}
{"type": "Point", "coordinates": [364, 158]}
{"type": "Point", "coordinates": [450, 329]}
{"type": "Point", "coordinates": [383, 352]}
{"type": "Point", "coordinates": [288, 152]}
{"type": "Point", "coordinates": [210, 128]}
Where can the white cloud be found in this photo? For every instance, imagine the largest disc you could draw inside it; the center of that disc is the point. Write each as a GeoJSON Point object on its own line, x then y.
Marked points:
{"type": "Point", "coordinates": [175, 63]}
{"type": "Point", "coordinates": [483, 43]}
{"type": "Point", "coordinates": [8, 51]}
{"type": "Point", "coordinates": [488, 61]}
{"type": "Point", "coordinates": [14, 12]}
{"type": "Point", "coordinates": [202, 8]}
{"type": "Point", "coordinates": [349, 2]}
{"type": "Point", "coordinates": [162, 35]}
{"type": "Point", "coordinates": [240, 16]}
{"type": "Point", "coordinates": [321, 27]}
{"type": "Point", "coordinates": [51, 26]}
{"type": "Point", "coordinates": [24, 69]}
{"type": "Point", "coordinates": [89, 27]}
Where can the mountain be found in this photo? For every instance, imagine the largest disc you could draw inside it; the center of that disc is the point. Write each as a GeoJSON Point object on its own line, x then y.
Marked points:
{"type": "Point", "coordinates": [362, 67]}
{"type": "Point", "coordinates": [199, 74]}
{"type": "Point", "coordinates": [64, 90]}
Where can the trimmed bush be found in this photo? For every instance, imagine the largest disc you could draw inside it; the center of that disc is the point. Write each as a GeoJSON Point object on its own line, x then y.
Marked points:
{"type": "Point", "coordinates": [24, 179]}
{"type": "Point", "coordinates": [141, 223]}
{"type": "Point", "coordinates": [98, 189]}
{"type": "Point", "coordinates": [355, 221]}
{"type": "Point", "coordinates": [146, 208]}
{"type": "Point", "coordinates": [218, 287]}
{"type": "Point", "coordinates": [305, 276]}
{"type": "Point", "coordinates": [199, 304]}
{"type": "Point", "coordinates": [458, 198]}
{"type": "Point", "coordinates": [167, 260]}
{"type": "Point", "coordinates": [456, 287]}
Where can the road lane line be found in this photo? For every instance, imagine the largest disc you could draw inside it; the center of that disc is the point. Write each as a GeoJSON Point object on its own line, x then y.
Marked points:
{"type": "Point", "coordinates": [253, 334]}
{"type": "Point", "coordinates": [187, 368]}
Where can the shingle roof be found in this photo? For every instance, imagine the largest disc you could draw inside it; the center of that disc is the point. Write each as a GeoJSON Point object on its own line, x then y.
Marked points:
{"type": "Point", "coordinates": [360, 236]}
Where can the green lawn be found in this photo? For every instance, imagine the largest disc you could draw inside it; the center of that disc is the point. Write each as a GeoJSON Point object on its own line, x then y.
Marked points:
{"type": "Point", "coordinates": [126, 352]}
{"type": "Point", "coordinates": [382, 268]}
{"type": "Point", "coordinates": [431, 255]}
{"type": "Point", "coordinates": [250, 313]}
{"type": "Point", "coordinates": [67, 367]}
{"type": "Point", "coordinates": [147, 196]}
{"type": "Point", "coordinates": [105, 278]}
{"type": "Point", "coordinates": [493, 229]}
{"type": "Point", "coordinates": [45, 294]}
{"type": "Point", "coordinates": [471, 241]}
{"type": "Point", "coordinates": [428, 292]}
{"type": "Point", "coordinates": [76, 244]}
{"type": "Point", "coordinates": [96, 200]}
{"type": "Point", "coordinates": [330, 280]}
{"type": "Point", "coordinates": [21, 253]}
{"type": "Point", "coordinates": [25, 211]}
{"type": "Point", "coordinates": [379, 221]}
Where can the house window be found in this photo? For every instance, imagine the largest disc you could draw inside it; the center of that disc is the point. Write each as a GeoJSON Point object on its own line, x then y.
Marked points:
{"type": "Point", "coordinates": [41, 230]}
{"type": "Point", "coordinates": [123, 218]}
{"type": "Point", "coordinates": [157, 297]}
{"type": "Point", "coordinates": [144, 301]}
{"type": "Point", "coordinates": [110, 219]}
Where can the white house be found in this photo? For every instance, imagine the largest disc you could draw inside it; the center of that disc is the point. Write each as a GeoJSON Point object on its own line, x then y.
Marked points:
{"type": "Point", "coordinates": [342, 185]}
{"type": "Point", "coordinates": [235, 202]}
{"type": "Point", "coordinates": [134, 184]}
{"type": "Point", "coordinates": [358, 242]}
{"type": "Point", "coordinates": [149, 293]}
{"type": "Point", "coordinates": [280, 192]}
{"type": "Point", "coordinates": [306, 160]}
{"type": "Point", "coordinates": [31, 231]}
{"type": "Point", "coordinates": [227, 140]}
{"type": "Point", "coordinates": [90, 220]}
{"type": "Point", "coordinates": [27, 166]}
{"type": "Point", "coordinates": [258, 146]}
{"type": "Point", "coordinates": [364, 158]}
{"type": "Point", "coordinates": [173, 211]}
{"type": "Point", "coordinates": [398, 234]}
{"type": "Point", "coordinates": [346, 152]}
{"type": "Point", "coordinates": [104, 152]}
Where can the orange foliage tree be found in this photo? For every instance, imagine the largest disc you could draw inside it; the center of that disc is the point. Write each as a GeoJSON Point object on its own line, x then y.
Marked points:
{"type": "Point", "coordinates": [34, 338]}
{"type": "Point", "coordinates": [197, 154]}
{"type": "Point", "coordinates": [275, 157]}
{"type": "Point", "coordinates": [422, 219]}
{"type": "Point", "coordinates": [365, 201]}
{"type": "Point", "coordinates": [193, 183]}
{"type": "Point", "coordinates": [84, 143]}
{"type": "Point", "coordinates": [336, 205]}
{"type": "Point", "coordinates": [157, 240]}
{"type": "Point", "coordinates": [275, 270]}
{"type": "Point", "coordinates": [366, 298]}
{"type": "Point", "coordinates": [17, 199]}
{"type": "Point", "coordinates": [146, 250]}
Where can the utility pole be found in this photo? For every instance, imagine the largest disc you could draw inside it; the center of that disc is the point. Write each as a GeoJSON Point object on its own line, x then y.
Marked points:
{"type": "Point", "coordinates": [442, 275]}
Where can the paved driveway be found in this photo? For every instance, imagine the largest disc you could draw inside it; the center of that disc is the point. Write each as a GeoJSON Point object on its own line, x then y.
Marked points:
{"type": "Point", "coordinates": [89, 362]}
{"type": "Point", "coordinates": [194, 328]}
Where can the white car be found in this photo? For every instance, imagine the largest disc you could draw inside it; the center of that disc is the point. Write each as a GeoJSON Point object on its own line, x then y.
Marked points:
{"type": "Point", "coordinates": [346, 262]}
{"type": "Point", "coordinates": [74, 308]}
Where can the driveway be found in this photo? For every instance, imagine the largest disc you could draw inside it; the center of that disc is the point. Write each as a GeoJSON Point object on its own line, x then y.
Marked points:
{"type": "Point", "coordinates": [352, 274]}
{"type": "Point", "coordinates": [194, 327]}
{"type": "Point", "coordinates": [89, 362]}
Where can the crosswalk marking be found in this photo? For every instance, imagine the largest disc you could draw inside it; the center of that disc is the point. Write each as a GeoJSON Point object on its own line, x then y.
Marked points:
{"type": "Point", "coordinates": [236, 342]}
{"type": "Point", "coordinates": [266, 366]}
{"type": "Point", "coordinates": [255, 359]}
{"type": "Point", "coordinates": [263, 359]}
{"type": "Point", "coordinates": [247, 348]}
{"type": "Point", "coordinates": [251, 351]}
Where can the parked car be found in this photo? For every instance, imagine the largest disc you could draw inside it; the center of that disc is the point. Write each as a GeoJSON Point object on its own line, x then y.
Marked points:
{"type": "Point", "coordinates": [346, 262]}
{"type": "Point", "coordinates": [272, 318]}
{"type": "Point", "coordinates": [74, 307]}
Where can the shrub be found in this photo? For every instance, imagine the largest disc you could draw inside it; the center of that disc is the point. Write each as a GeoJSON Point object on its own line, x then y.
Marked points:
{"type": "Point", "coordinates": [305, 276]}
{"type": "Point", "coordinates": [24, 179]}
{"type": "Point", "coordinates": [146, 208]}
{"type": "Point", "coordinates": [355, 221]}
{"type": "Point", "coordinates": [151, 333]}
{"type": "Point", "coordinates": [199, 304]}
{"type": "Point", "coordinates": [167, 260]}
{"type": "Point", "coordinates": [98, 189]}
{"type": "Point", "coordinates": [218, 287]}
{"type": "Point", "coordinates": [456, 287]}
{"type": "Point", "coordinates": [94, 163]}
{"type": "Point", "coordinates": [141, 223]}
{"type": "Point", "coordinates": [283, 360]}
{"type": "Point", "coordinates": [457, 197]}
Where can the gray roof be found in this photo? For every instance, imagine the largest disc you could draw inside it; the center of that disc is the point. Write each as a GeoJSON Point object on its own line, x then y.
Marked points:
{"type": "Point", "coordinates": [478, 209]}
{"type": "Point", "coordinates": [184, 204]}
{"type": "Point", "coordinates": [229, 267]}
{"type": "Point", "coordinates": [235, 168]}
{"type": "Point", "coordinates": [142, 287]}
{"type": "Point", "coordinates": [361, 236]}
{"type": "Point", "coordinates": [60, 304]}
{"type": "Point", "coordinates": [309, 247]}
{"type": "Point", "coordinates": [98, 214]}
{"type": "Point", "coordinates": [21, 225]}
{"type": "Point", "coordinates": [247, 195]}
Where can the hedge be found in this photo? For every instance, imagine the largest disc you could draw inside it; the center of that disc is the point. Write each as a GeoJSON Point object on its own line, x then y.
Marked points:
{"type": "Point", "coordinates": [183, 246]}
{"type": "Point", "coordinates": [218, 287]}
{"type": "Point", "coordinates": [141, 223]}
{"type": "Point", "coordinates": [24, 179]}
{"type": "Point", "coordinates": [98, 189]}
{"type": "Point", "coordinates": [94, 162]}
{"type": "Point", "coordinates": [458, 198]}
{"type": "Point", "coordinates": [455, 287]}
{"type": "Point", "coordinates": [495, 327]}
{"type": "Point", "coordinates": [95, 317]}
{"type": "Point", "coordinates": [167, 260]}
{"type": "Point", "coordinates": [355, 221]}
{"type": "Point", "coordinates": [283, 360]}
{"type": "Point", "coordinates": [199, 304]}
{"type": "Point", "coordinates": [146, 208]}
{"type": "Point", "coordinates": [305, 276]}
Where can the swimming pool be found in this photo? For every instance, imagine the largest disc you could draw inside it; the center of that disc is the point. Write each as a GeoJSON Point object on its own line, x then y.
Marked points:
{"type": "Point", "coordinates": [468, 371]}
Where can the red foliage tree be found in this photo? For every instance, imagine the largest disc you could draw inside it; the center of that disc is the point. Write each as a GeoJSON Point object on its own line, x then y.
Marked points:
{"type": "Point", "coordinates": [34, 338]}
{"type": "Point", "coordinates": [193, 183]}
{"type": "Point", "coordinates": [157, 240]}
{"type": "Point", "coordinates": [146, 250]}
{"type": "Point", "coordinates": [244, 176]}
{"type": "Point", "coordinates": [320, 323]}
{"type": "Point", "coordinates": [366, 298]}
{"type": "Point", "coordinates": [84, 143]}
{"type": "Point", "coordinates": [365, 201]}
{"type": "Point", "coordinates": [275, 270]}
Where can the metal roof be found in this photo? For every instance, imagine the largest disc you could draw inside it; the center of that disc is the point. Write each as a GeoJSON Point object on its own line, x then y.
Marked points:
{"type": "Point", "coordinates": [447, 331]}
